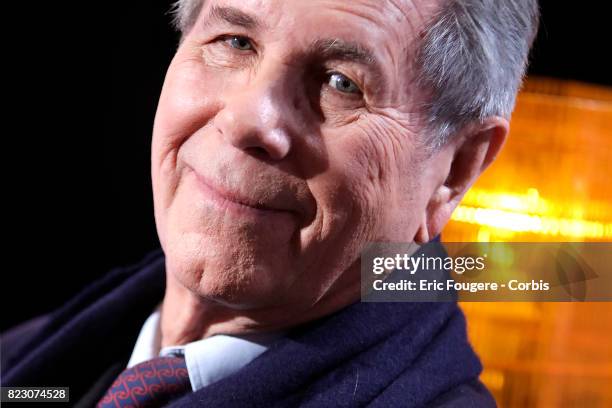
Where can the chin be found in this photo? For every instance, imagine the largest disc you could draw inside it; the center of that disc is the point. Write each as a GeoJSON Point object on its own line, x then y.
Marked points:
{"type": "Point", "coordinates": [238, 273]}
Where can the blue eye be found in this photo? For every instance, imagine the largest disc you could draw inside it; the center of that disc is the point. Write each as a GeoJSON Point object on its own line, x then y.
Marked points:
{"type": "Point", "coordinates": [240, 43]}
{"type": "Point", "coordinates": [343, 84]}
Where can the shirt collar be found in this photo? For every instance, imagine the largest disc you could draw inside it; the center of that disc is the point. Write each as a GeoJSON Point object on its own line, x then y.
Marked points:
{"type": "Point", "coordinates": [208, 360]}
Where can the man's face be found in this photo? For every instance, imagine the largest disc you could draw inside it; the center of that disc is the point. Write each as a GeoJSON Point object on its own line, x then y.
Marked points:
{"type": "Point", "coordinates": [287, 137]}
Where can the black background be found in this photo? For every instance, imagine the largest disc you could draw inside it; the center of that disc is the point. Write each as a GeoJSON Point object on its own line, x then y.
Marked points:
{"type": "Point", "coordinates": [80, 89]}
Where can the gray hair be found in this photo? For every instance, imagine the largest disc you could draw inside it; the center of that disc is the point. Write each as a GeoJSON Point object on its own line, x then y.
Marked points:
{"type": "Point", "coordinates": [471, 60]}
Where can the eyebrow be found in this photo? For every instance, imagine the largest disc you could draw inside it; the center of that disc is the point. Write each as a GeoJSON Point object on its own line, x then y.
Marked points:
{"type": "Point", "coordinates": [234, 16]}
{"type": "Point", "coordinates": [340, 49]}
{"type": "Point", "coordinates": [326, 48]}
{"type": "Point", "coordinates": [329, 48]}
{"type": "Point", "coordinates": [334, 48]}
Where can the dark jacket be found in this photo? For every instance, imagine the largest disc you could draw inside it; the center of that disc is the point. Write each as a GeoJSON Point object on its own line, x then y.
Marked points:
{"type": "Point", "coordinates": [368, 354]}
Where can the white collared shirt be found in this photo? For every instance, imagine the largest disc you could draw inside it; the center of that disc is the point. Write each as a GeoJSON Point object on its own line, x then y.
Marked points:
{"type": "Point", "coordinates": [208, 360]}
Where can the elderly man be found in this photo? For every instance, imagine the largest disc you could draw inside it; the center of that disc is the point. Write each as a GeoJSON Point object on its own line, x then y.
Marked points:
{"type": "Point", "coordinates": [289, 134]}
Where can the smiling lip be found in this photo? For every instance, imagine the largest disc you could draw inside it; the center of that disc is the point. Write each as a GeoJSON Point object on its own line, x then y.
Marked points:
{"type": "Point", "coordinates": [231, 201]}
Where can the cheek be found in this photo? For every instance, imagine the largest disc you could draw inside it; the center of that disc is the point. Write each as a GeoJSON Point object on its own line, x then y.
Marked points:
{"type": "Point", "coordinates": [399, 175]}
{"type": "Point", "coordinates": [371, 167]}
{"type": "Point", "coordinates": [351, 193]}
{"type": "Point", "coordinates": [367, 174]}
{"type": "Point", "coordinates": [188, 101]}
{"type": "Point", "coordinates": [187, 104]}
{"type": "Point", "coordinates": [378, 178]}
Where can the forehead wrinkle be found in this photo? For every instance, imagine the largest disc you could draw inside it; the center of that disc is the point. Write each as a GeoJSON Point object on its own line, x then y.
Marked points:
{"type": "Point", "coordinates": [386, 18]}
{"type": "Point", "coordinates": [409, 18]}
{"type": "Point", "coordinates": [400, 20]}
{"type": "Point", "coordinates": [233, 16]}
{"type": "Point", "coordinates": [411, 13]}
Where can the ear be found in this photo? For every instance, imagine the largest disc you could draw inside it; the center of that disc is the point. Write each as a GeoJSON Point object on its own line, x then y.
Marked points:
{"type": "Point", "coordinates": [455, 168]}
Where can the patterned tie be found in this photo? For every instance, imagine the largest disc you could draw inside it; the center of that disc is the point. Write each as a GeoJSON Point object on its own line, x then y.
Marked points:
{"type": "Point", "coordinates": [152, 383]}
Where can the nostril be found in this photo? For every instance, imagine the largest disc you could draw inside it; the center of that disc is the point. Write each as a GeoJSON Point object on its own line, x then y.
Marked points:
{"type": "Point", "coordinates": [258, 152]}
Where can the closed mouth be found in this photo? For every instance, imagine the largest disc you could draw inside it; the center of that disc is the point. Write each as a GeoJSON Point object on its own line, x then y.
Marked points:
{"type": "Point", "coordinates": [234, 201]}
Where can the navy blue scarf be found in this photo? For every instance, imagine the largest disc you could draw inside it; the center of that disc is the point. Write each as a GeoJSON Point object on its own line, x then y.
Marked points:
{"type": "Point", "coordinates": [375, 354]}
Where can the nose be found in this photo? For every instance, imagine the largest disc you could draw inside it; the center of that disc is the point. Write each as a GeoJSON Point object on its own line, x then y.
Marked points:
{"type": "Point", "coordinates": [257, 119]}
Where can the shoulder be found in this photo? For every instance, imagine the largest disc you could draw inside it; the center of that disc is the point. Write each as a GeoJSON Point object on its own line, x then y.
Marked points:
{"type": "Point", "coordinates": [32, 333]}
{"type": "Point", "coordinates": [13, 338]}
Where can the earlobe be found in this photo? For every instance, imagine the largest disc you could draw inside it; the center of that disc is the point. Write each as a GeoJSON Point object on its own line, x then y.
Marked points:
{"type": "Point", "coordinates": [422, 234]}
{"type": "Point", "coordinates": [437, 214]}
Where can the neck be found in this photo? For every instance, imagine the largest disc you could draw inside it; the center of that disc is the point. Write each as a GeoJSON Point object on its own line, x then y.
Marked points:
{"type": "Point", "coordinates": [187, 317]}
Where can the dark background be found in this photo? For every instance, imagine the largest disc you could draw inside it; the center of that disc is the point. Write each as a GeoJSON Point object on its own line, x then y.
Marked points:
{"type": "Point", "coordinates": [80, 89]}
